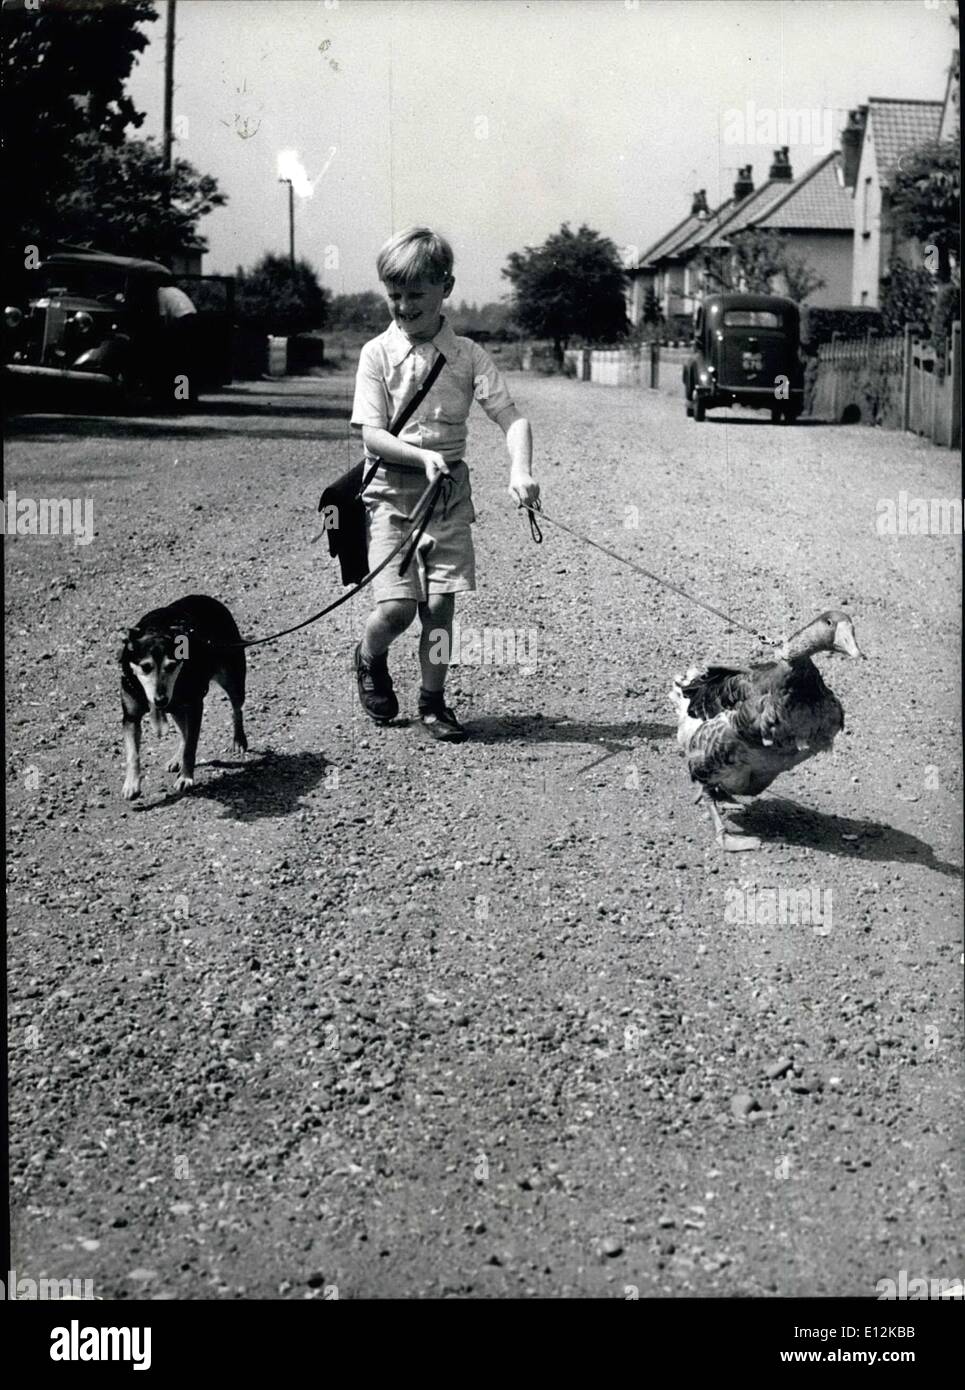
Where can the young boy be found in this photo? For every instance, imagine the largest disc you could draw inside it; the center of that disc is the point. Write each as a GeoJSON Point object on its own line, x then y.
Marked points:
{"type": "Point", "coordinates": [415, 268]}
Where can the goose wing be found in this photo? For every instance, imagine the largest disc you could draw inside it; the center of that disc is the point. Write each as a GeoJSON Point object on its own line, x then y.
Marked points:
{"type": "Point", "coordinates": [759, 698]}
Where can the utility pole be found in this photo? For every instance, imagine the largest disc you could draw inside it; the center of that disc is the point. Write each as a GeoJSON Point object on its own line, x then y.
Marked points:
{"type": "Point", "coordinates": [291, 222]}
{"type": "Point", "coordinates": [169, 84]}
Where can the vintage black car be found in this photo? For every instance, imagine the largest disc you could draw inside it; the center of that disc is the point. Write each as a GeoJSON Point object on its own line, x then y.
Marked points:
{"type": "Point", "coordinates": [114, 322]}
{"type": "Point", "coordinates": [746, 353]}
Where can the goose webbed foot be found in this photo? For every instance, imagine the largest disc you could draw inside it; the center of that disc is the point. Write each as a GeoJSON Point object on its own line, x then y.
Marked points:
{"type": "Point", "coordinates": [729, 841]}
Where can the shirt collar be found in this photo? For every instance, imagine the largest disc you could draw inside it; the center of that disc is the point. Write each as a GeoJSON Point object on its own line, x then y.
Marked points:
{"type": "Point", "coordinates": [398, 345]}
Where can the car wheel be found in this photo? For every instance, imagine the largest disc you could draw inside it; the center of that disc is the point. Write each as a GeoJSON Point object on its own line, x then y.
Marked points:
{"type": "Point", "coordinates": [699, 408]}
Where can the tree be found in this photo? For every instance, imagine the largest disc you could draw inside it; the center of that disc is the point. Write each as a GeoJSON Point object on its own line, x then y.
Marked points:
{"type": "Point", "coordinates": [278, 302]}
{"type": "Point", "coordinates": [64, 71]}
{"type": "Point", "coordinates": [573, 284]}
{"type": "Point", "coordinates": [652, 312]}
{"type": "Point", "coordinates": [760, 259]}
{"type": "Point", "coordinates": [926, 190]}
{"type": "Point", "coordinates": [495, 318]}
{"type": "Point", "coordinates": [365, 312]}
{"type": "Point", "coordinates": [123, 199]}
{"type": "Point", "coordinates": [908, 297]}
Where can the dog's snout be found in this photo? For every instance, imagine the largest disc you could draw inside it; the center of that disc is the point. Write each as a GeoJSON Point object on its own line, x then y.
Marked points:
{"type": "Point", "coordinates": [161, 701]}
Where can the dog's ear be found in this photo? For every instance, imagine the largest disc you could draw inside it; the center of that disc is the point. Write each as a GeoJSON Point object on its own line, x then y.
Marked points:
{"type": "Point", "coordinates": [128, 636]}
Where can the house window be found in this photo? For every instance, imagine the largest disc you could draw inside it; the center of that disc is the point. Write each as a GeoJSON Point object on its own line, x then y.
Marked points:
{"type": "Point", "coordinates": [865, 199]}
{"type": "Point", "coordinates": [864, 296]}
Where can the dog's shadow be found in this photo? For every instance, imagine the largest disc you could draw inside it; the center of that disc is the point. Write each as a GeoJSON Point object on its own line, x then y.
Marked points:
{"type": "Point", "coordinates": [780, 821]}
{"type": "Point", "coordinates": [266, 784]}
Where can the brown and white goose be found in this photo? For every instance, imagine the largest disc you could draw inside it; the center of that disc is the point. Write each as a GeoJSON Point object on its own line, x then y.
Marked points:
{"type": "Point", "coordinates": [739, 728]}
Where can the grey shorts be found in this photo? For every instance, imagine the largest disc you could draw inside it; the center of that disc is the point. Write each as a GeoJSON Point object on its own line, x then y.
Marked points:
{"type": "Point", "coordinates": [445, 562]}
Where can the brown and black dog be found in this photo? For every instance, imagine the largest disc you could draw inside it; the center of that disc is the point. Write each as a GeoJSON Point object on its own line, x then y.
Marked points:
{"type": "Point", "coordinates": [168, 660]}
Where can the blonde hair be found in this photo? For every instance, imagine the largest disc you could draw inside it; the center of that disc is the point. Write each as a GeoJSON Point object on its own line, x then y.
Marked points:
{"type": "Point", "coordinates": [417, 253]}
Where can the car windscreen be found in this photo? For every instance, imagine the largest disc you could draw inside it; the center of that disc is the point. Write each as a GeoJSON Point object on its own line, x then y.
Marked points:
{"type": "Point", "coordinates": [106, 283]}
{"type": "Point", "coordinates": [752, 318]}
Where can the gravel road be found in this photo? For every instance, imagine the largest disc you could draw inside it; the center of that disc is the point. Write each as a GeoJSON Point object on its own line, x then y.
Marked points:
{"type": "Point", "coordinates": [369, 1015]}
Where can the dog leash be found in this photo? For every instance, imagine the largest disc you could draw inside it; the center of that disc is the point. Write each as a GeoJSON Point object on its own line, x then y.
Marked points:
{"type": "Point", "coordinates": [427, 501]}
{"type": "Point", "coordinates": [537, 535]}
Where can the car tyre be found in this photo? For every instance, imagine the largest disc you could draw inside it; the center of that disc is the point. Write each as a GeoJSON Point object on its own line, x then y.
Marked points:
{"type": "Point", "coordinates": [700, 408]}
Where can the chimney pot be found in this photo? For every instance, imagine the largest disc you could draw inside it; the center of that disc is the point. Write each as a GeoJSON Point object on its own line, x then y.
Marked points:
{"type": "Point", "coordinates": [744, 184]}
{"type": "Point", "coordinates": [851, 140]}
{"type": "Point", "coordinates": [781, 168]}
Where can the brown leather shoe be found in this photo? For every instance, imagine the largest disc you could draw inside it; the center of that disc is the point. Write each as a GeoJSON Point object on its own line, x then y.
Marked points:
{"type": "Point", "coordinates": [376, 694]}
{"type": "Point", "coordinates": [438, 722]}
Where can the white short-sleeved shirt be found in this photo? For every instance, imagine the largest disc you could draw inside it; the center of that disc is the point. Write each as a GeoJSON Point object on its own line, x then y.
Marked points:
{"type": "Point", "coordinates": [391, 369]}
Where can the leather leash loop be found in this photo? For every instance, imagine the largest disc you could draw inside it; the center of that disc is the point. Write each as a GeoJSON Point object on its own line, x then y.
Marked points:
{"type": "Point", "coordinates": [534, 527]}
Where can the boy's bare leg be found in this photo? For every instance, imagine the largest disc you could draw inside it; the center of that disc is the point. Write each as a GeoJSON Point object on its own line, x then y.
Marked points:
{"type": "Point", "coordinates": [436, 615]}
{"type": "Point", "coordinates": [387, 621]}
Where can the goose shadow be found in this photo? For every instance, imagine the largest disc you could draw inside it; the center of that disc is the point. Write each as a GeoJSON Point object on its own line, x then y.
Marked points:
{"type": "Point", "coordinates": [265, 784]}
{"type": "Point", "coordinates": [780, 820]}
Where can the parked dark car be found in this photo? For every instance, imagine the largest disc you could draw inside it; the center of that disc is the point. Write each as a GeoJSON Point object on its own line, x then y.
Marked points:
{"type": "Point", "coordinates": [118, 323]}
{"type": "Point", "coordinates": [746, 353]}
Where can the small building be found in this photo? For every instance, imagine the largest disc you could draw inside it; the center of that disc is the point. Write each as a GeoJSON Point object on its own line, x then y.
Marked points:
{"type": "Point", "coordinates": [661, 271]}
{"type": "Point", "coordinates": [188, 262]}
{"type": "Point", "coordinates": [813, 213]}
{"type": "Point", "coordinates": [881, 132]}
{"type": "Point", "coordinates": [950, 127]}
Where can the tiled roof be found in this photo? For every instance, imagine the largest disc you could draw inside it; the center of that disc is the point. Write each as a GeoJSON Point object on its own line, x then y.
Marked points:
{"type": "Point", "coordinates": [670, 240]}
{"type": "Point", "coordinates": [900, 125]}
{"type": "Point", "coordinates": [818, 201]}
{"type": "Point", "coordinates": [751, 208]}
{"type": "Point", "coordinates": [708, 227]}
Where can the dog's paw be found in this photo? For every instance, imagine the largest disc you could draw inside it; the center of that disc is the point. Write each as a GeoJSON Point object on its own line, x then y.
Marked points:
{"type": "Point", "coordinates": [184, 784]}
{"type": "Point", "coordinates": [240, 749]}
{"type": "Point", "coordinates": [132, 788]}
{"type": "Point", "coordinates": [174, 764]}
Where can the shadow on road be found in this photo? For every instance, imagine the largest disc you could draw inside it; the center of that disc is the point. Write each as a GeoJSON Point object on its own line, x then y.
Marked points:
{"type": "Point", "coordinates": [321, 424]}
{"type": "Point", "coordinates": [758, 420]}
{"type": "Point", "coordinates": [269, 784]}
{"type": "Point", "coordinates": [780, 820]}
{"type": "Point", "coordinates": [536, 728]}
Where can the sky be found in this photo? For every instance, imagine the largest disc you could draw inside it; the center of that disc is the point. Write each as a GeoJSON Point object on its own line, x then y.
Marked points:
{"type": "Point", "coordinates": [495, 121]}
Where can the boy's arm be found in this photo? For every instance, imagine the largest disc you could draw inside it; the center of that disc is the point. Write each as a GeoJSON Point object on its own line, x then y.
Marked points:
{"type": "Point", "coordinates": [519, 443]}
{"type": "Point", "coordinates": [380, 443]}
{"type": "Point", "coordinates": [370, 414]}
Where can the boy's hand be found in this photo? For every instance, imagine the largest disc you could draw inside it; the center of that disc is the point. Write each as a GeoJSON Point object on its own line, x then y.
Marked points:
{"type": "Point", "coordinates": [434, 464]}
{"type": "Point", "coordinates": [524, 489]}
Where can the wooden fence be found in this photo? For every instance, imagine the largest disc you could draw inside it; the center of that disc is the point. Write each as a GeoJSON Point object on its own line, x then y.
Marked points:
{"type": "Point", "coordinates": [900, 383]}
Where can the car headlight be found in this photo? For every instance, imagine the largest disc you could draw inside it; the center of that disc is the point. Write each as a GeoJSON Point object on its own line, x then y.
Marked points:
{"type": "Point", "coordinates": [13, 316]}
{"type": "Point", "coordinates": [83, 321]}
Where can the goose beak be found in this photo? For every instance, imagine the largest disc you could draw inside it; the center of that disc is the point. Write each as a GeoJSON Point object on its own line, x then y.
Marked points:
{"type": "Point", "coordinates": [845, 644]}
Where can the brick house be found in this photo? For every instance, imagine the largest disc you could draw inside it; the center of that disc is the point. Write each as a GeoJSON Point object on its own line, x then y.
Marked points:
{"type": "Point", "coordinates": [813, 213]}
{"type": "Point", "coordinates": [878, 134]}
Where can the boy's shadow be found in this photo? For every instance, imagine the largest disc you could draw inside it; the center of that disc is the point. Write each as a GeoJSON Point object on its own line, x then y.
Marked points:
{"type": "Point", "coordinates": [781, 821]}
{"type": "Point", "coordinates": [538, 728]}
{"type": "Point", "coordinates": [266, 784]}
